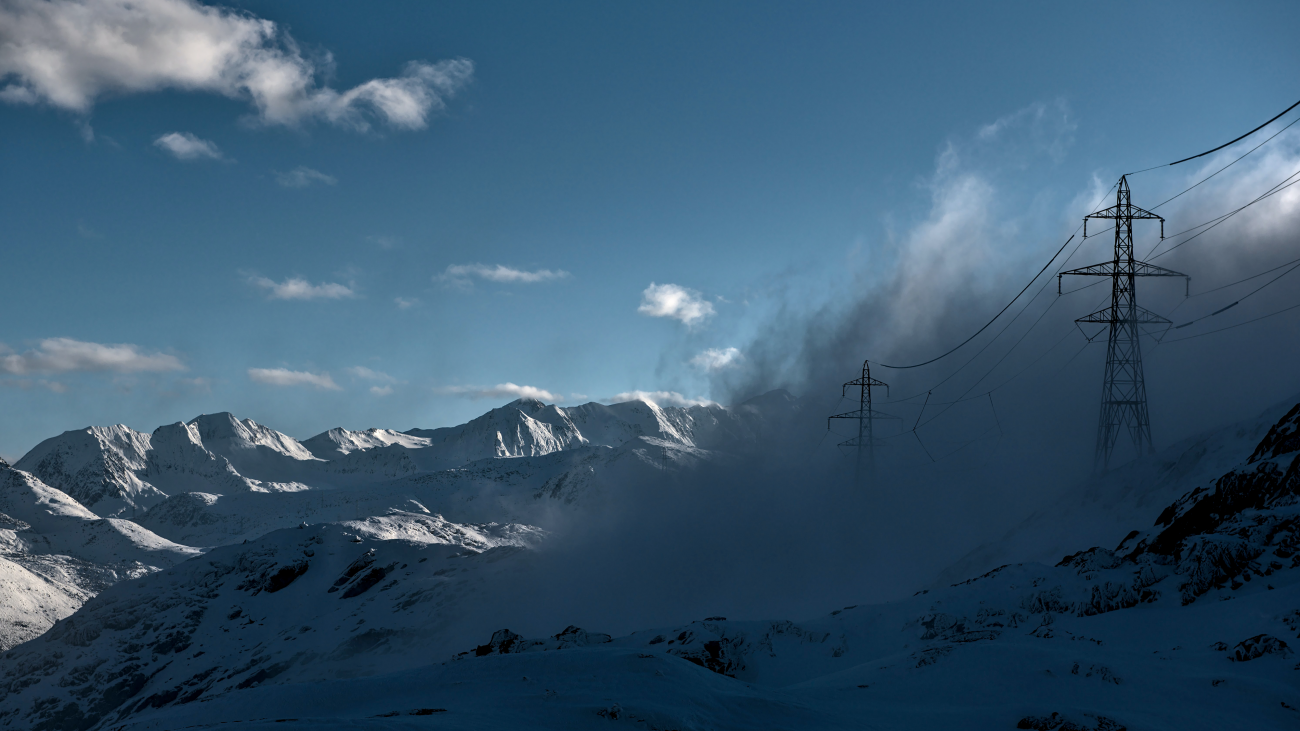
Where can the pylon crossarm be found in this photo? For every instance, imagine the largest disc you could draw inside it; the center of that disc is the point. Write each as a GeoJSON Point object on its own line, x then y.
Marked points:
{"type": "Point", "coordinates": [866, 382]}
{"type": "Point", "coordinates": [1104, 269]}
{"type": "Point", "coordinates": [1107, 316]}
{"type": "Point", "coordinates": [860, 414]}
{"type": "Point", "coordinates": [1125, 211]}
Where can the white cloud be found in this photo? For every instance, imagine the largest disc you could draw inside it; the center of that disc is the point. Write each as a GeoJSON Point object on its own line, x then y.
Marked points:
{"type": "Point", "coordinates": [69, 53]}
{"type": "Point", "coordinates": [64, 355]}
{"type": "Point", "coordinates": [679, 303]}
{"type": "Point", "coordinates": [185, 146]}
{"type": "Point", "coordinates": [502, 390]}
{"type": "Point", "coordinates": [659, 398]}
{"type": "Point", "coordinates": [301, 177]}
{"type": "Point", "coordinates": [381, 390]}
{"type": "Point", "coordinates": [285, 377]}
{"type": "Point", "coordinates": [405, 303]}
{"type": "Point", "coordinates": [295, 288]}
{"type": "Point", "coordinates": [367, 374]}
{"type": "Point", "coordinates": [460, 274]}
{"type": "Point", "coordinates": [715, 359]}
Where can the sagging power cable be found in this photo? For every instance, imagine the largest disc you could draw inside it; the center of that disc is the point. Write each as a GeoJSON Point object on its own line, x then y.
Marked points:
{"type": "Point", "coordinates": [990, 322]}
{"type": "Point", "coordinates": [1226, 144]}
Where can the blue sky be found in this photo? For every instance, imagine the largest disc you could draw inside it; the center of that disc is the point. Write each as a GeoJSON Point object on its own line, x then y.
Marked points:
{"type": "Point", "coordinates": [320, 215]}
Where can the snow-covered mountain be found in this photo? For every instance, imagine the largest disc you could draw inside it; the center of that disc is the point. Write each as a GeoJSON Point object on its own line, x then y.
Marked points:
{"type": "Point", "coordinates": [1190, 623]}
{"type": "Point", "coordinates": [55, 554]}
{"type": "Point", "coordinates": [519, 451]}
{"type": "Point", "coordinates": [340, 442]}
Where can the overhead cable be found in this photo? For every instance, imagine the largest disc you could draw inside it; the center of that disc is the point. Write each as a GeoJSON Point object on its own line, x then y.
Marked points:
{"type": "Point", "coordinates": [1226, 144]}
{"type": "Point", "coordinates": [990, 322]}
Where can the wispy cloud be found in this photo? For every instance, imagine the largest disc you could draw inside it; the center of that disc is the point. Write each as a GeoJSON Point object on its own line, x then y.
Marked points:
{"type": "Point", "coordinates": [368, 374]}
{"type": "Point", "coordinates": [405, 303]}
{"type": "Point", "coordinates": [185, 146]}
{"type": "Point", "coordinates": [295, 288]}
{"type": "Point", "coordinates": [64, 355]}
{"type": "Point", "coordinates": [68, 54]}
{"type": "Point", "coordinates": [715, 359]}
{"type": "Point", "coordinates": [28, 384]}
{"type": "Point", "coordinates": [286, 377]}
{"type": "Point", "coordinates": [676, 302]}
{"type": "Point", "coordinates": [502, 390]}
{"type": "Point", "coordinates": [384, 382]}
{"type": "Point", "coordinates": [461, 274]}
{"type": "Point", "coordinates": [302, 176]}
{"type": "Point", "coordinates": [659, 398]}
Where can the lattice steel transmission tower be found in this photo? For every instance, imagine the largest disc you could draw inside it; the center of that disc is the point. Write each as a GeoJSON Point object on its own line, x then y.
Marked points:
{"type": "Point", "coordinates": [1123, 390]}
{"type": "Point", "coordinates": [865, 416]}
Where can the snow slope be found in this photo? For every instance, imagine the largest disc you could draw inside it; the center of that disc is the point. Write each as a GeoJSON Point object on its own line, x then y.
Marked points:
{"type": "Point", "coordinates": [517, 489]}
{"type": "Point", "coordinates": [1103, 508]}
{"type": "Point", "coordinates": [1193, 624]}
{"type": "Point", "coordinates": [337, 443]}
{"type": "Point", "coordinates": [56, 554]}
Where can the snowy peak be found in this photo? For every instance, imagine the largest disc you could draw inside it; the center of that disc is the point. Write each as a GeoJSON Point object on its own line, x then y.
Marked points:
{"type": "Point", "coordinates": [97, 466]}
{"type": "Point", "coordinates": [223, 434]}
{"type": "Point", "coordinates": [339, 442]}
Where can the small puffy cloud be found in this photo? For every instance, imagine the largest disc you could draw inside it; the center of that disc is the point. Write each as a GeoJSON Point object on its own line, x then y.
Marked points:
{"type": "Point", "coordinates": [302, 176]}
{"type": "Point", "coordinates": [660, 398]}
{"type": "Point", "coordinates": [70, 53]}
{"type": "Point", "coordinates": [679, 303]}
{"type": "Point", "coordinates": [502, 390]}
{"type": "Point", "coordinates": [185, 146]}
{"type": "Point", "coordinates": [286, 377]}
{"type": "Point", "coordinates": [295, 288]}
{"type": "Point", "coordinates": [405, 303]}
{"type": "Point", "coordinates": [715, 359]}
{"type": "Point", "coordinates": [460, 275]}
{"type": "Point", "coordinates": [381, 390]}
{"type": "Point", "coordinates": [65, 355]}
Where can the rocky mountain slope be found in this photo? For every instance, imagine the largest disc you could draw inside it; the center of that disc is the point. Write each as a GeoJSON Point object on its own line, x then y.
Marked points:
{"type": "Point", "coordinates": [1190, 623]}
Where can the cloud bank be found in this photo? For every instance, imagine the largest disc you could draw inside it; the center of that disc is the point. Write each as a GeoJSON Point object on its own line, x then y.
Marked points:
{"type": "Point", "coordinates": [70, 53]}
{"type": "Point", "coordinates": [65, 355]}
{"type": "Point", "coordinates": [676, 302]}
{"type": "Point", "coordinates": [286, 377]}
{"type": "Point", "coordinates": [295, 288]}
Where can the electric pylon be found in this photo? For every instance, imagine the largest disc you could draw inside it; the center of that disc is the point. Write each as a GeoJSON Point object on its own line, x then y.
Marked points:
{"type": "Point", "coordinates": [1123, 390]}
{"type": "Point", "coordinates": [865, 415]}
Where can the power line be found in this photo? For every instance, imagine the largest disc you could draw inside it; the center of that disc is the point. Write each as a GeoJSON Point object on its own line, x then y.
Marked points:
{"type": "Point", "coordinates": [1229, 327]}
{"type": "Point", "coordinates": [1225, 167]}
{"type": "Point", "coordinates": [1226, 144]}
{"type": "Point", "coordinates": [1247, 296]}
{"type": "Point", "coordinates": [1215, 222]}
{"type": "Point", "coordinates": [995, 317]}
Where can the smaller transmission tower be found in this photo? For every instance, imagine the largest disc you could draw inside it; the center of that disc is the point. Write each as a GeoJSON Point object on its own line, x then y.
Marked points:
{"type": "Point", "coordinates": [1124, 390]}
{"type": "Point", "coordinates": [865, 415]}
